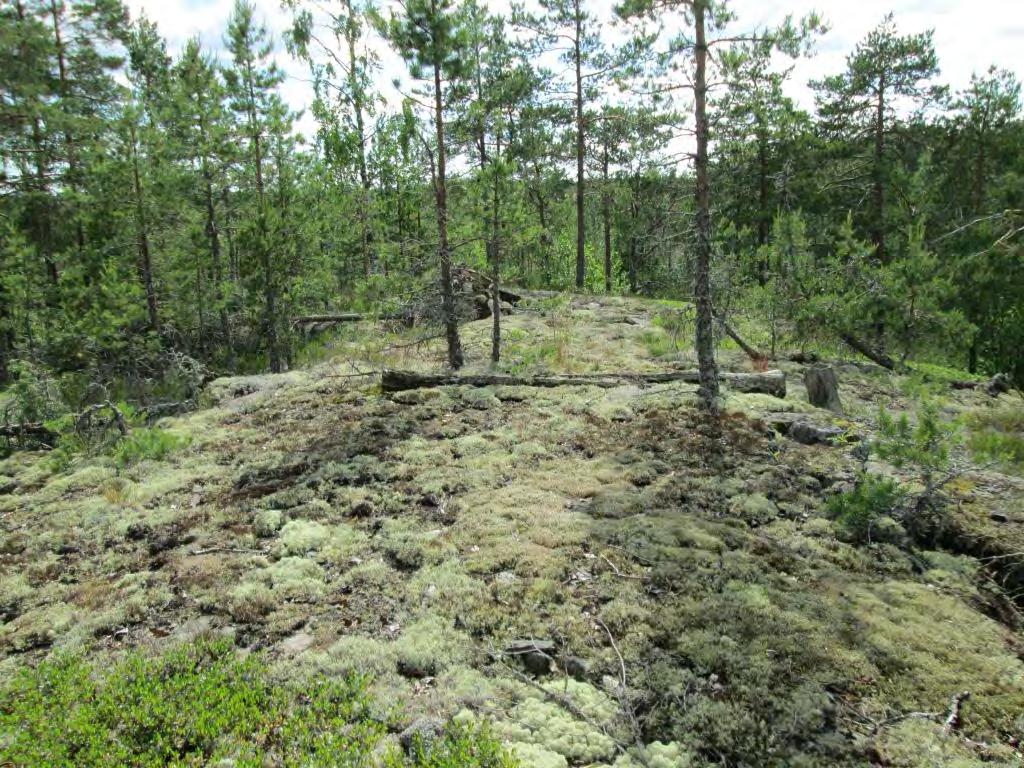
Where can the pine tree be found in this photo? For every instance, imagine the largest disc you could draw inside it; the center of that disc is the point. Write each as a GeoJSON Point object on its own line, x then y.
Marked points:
{"type": "Point", "coordinates": [251, 83]}
{"type": "Point", "coordinates": [431, 35]}
{"type": "Point", "coordinates": [860, 105]}
{"type": "Point", "coordinates": [567, 26]}
{"type": "Point", "coordinates": [202, 134]}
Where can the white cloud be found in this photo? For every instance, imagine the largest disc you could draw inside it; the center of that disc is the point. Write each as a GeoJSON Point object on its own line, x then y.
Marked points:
{"type": "Point", "coordinates": [969, 36]}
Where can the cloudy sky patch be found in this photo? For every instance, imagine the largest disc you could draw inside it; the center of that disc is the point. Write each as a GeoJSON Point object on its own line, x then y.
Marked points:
{"type": "Point", "coordinates": [969, 35]}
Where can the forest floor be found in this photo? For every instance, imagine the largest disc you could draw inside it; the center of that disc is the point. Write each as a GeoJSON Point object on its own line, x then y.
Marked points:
{"type": "Point", "coordinates": [692, 600]}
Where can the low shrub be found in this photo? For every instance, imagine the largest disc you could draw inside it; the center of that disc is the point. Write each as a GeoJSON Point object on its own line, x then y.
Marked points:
{"type": "Point", "coordinates": [866, 514]}
{"type": "Point", "coordinates": [153, 443]}
{"type": "Point", "coordinates": [201, 704]}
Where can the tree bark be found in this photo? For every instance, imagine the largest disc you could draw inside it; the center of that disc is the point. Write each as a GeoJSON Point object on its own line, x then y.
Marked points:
{"type": "Point", "coordinates": [451, 321]}
{"type": "Point", "coordinates": [763, 214]}
{"type": "Point", "coordinates": [705, 342]}
{"type": "Point", "coordinates": [494, 248]}
{"type": "Point", "coordinates": [748, 350]}
{"type": "Point", "coordinates": [874, 355]}
{"type": "Point", "coordinates": [581, 257]}
{"type": "Point", "coordinates": [356, 89]}
{"type": "Point", "coordinates": [878, 230]}
{"type": "Point", "coordinates": [606, 215]}
{"type": "Point", "coordinates": [145, 258]}
{"type": "Point", "coordinates": [769, 383]}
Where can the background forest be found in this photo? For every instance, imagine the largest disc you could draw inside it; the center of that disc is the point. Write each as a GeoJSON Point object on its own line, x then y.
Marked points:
{"type": "Point", "coordinates": [160, 218]}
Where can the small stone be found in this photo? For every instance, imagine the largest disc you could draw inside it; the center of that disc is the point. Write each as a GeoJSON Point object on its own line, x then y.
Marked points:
{"type": "Point", "coordinates": [363, 508]}
{"type": "Point", "coordinates": [999, 384]}
{"type": "Point", "coordinates": [421, 733]}
{"type": "Point", "coordinates": [297, 643]}
{"type": "Point", "coordinates": [138, 531]}
{"type": "Point", "coordinates": [823, 388]}
{"type": "Point", "coordinates": [534, 655]}
{"type": "Point", "coordinates": [998, 517]}
{"type": "Point", "coordinates": [810, 434]}
{"type": "Point", "coordinates": [418, 670]}
{"type": "Point", "coordinates": [163, 542]}
{"type": "Point", "coordinates": [577, 667]}
{"type": "Point", "coordinates": [537, 662]}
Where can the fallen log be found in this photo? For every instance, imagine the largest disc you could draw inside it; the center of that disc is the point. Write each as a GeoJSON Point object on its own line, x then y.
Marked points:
{"type": "Point", "coordinates": [874, 355]}
{"type": "Point", "coordinates": [753, 354]}
{"type": "Point", "coordinates": [953, 717]}
{"type": "Point", "coordinates": [995, 386]}
{"type": "Point", "coordinates": [769, 382]}
{"type": "Point", "coordinates": [344, 317]}
{"type": "Point", "coordinates": [36, 431]}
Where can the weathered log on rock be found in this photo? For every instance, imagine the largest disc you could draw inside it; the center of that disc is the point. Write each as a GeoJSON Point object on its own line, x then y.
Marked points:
{"type": "Point", "coordinates": [874, 355]}
{"type": "Point", "coordinates": [34, 431]}
{"type": "Point", "coordinates": [823, 388]}
{"type": "Point", "coordinates": [769, 383]}
{"type": "Point", "coordinates": [796, 427]}
{"type": "Point", "coordinates": [468, 280]}
{"type": "Point", "coordinates": [344, 317]}
{"type": "Point", "coordinates": [995, 386]}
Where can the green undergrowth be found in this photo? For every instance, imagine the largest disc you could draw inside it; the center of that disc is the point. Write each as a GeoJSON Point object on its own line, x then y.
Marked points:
{"type": "Point", "coordinates": [203, 704]}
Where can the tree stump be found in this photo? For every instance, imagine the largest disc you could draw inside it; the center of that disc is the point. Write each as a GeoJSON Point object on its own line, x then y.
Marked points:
{"type": "Point", "coordinates": [823, 388]}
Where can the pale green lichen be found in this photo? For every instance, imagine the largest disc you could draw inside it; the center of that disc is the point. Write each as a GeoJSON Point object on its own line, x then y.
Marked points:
{"type": "Point", "coordinates": [301, 536]}
{"type": "Point", "coordinates": [658, 755]}
{"type": "Point", "coordinates": [429, 646]}
{"type": "Point", "coordinates": [267, 522]}
{"type": "Point", "coordinates": [536, 756]}
{"type": "Point", "coordinates": [296, 578]}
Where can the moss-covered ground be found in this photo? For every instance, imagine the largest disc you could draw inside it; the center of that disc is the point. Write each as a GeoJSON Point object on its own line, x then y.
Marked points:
{"type": "Point", "coordinates": [700, 608]}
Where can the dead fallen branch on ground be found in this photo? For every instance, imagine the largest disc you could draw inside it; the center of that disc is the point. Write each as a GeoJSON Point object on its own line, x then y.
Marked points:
{"type": "Point", "coordinates": [874, 355]}
{"type": "Point", "coordinates": [749, 351]}
{"type": "Point", "coordinates": [769, 382]}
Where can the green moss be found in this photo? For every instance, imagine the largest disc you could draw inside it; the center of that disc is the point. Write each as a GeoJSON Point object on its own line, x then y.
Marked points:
{"type": "Point", "coordinates": [537, 756]}
{"type": "Point", "coordinates": [480, 398]}
{"type": "Point", "coordinates": [362, 655]}
{"type": "Point", "coordinates": [917, 743]}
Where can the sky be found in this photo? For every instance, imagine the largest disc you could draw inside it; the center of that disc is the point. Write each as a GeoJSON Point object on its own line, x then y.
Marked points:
{"type": "Point", "coordinates": [970, 35]}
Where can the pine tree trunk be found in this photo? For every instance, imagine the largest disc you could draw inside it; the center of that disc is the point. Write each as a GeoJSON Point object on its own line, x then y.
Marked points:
{"type": "Point", "coordinates": [451, 322]}
{"type": "Point", "coordinates": [41, 214]}
{"type": "Point", "coordinates": [263, 238]}
{"type": "Point", "coordinates": [763, 214]}
{"type": "Point", "coordinates": [495, 253]}
{"type": "Point", "coordinates": [72, 174]}
{"type": "Point", "coordinates": [145, 258]}
{"type": "Point", "coordinates": [606, 215]}
{"type": "Point", "coordinates": [355, 87]}
{"type": "Point", "coordinates": [213, 234]}
{"type": "Point", "coordinates": [705, 343]}
{"type": "Point", "coordinates": [581, 257]}
{"type": "Point", "coordinates": [878, 229]}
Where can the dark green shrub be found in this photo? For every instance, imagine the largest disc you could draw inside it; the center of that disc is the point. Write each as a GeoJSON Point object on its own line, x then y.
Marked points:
{"type": "Point", "coordinates": [148, 443]}
{"type": "Point", "coordinates": [462, 745]}
{"type": "Point", "coordinates": [866, 514]}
